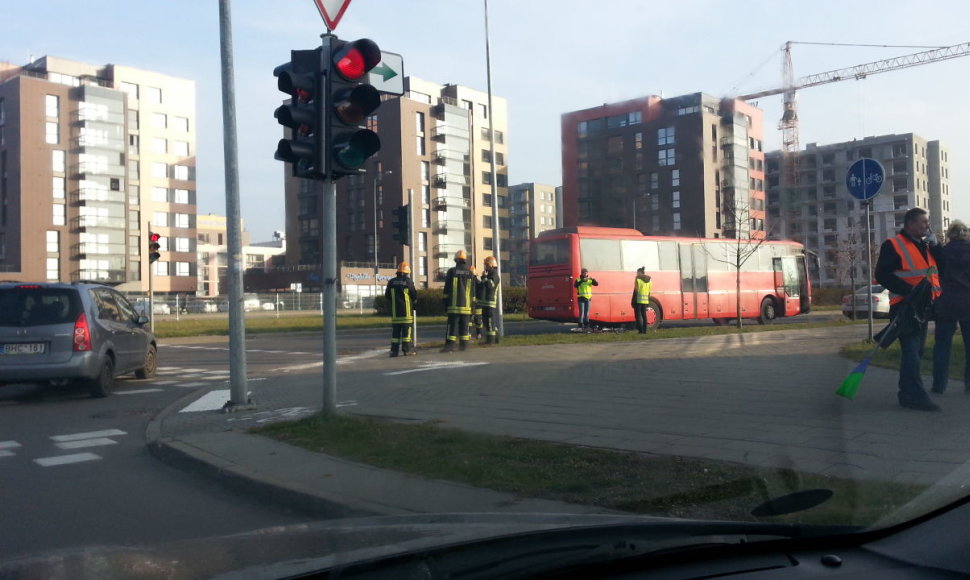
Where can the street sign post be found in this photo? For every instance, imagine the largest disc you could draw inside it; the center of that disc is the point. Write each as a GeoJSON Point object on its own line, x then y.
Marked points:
{"type": "Point", "coordinates": [863, 180]}
{"type": "Point", "coordinates": [331, 11]}
{"type": "Point", "coordinates": [388, 76]}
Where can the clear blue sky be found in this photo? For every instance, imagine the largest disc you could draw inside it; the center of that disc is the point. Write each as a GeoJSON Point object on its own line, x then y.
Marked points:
{"type": "Point", "coordinates": [548, 57]}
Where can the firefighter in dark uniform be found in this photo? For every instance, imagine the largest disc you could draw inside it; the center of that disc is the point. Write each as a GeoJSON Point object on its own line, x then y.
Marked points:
{"type": "Point", "coordinates": [476, 324]}
{"type": "Point", "coordinates": [459, 295]}
{"type": "Point", "coordinates": [490, 295]}
{"type": "Point", "coordinates": [400, 295]}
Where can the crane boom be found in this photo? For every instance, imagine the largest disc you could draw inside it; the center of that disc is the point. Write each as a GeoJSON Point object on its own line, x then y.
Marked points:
{"type": "Point", "coordinates": [863, 70]}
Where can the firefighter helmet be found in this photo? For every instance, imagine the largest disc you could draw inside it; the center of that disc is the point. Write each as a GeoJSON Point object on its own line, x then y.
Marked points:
{"type": "Point", "coordinates": [461, 255]}
{"type": "Point", "coordinates": [490, 262]}
{"type": "Point", "coordinates": [404, 268]}
{"type": "Point", "coordinates": [472, 270]}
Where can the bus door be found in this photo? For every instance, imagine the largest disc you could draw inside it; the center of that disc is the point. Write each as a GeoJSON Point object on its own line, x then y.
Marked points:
{"type": "Point", "coordinates": [787, 284]}
{"type": "Point", "coordinates": [693, 280]}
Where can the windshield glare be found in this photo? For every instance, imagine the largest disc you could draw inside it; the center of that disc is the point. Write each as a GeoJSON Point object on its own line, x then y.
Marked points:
{"type": "Point", "coordinates": [574, 262]}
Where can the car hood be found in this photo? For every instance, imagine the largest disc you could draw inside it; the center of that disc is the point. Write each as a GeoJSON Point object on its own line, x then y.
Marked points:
{"type": "Point", "coordinates": [348, 544]}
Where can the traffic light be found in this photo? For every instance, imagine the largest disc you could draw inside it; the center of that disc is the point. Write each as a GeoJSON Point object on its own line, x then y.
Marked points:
{"type": "Point", "coordinates": [350, 100]}
{"type": "Point", "coordinates": [301, 79]}
{"type": "Point", "coordinates": [153, 247]}
{"type": "Point", "coordinates": [402, 224]}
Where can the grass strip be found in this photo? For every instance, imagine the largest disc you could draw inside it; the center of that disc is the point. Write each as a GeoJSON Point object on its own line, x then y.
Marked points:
{"type": "Point", "coordinates": [617, 480]}
{"type": "Point", "coordinates": [889, 357]}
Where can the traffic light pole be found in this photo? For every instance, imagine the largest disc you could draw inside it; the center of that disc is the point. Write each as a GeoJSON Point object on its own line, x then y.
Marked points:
{"type": "Point", "coordinates": [329, 223]}
{"type": "Point", "coordinates": [414, 320]}
{"type": "Point", "coordinates": [151, 286]}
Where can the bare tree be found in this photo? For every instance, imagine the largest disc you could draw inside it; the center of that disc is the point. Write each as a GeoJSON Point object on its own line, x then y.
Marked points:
{"type": "Point", "coordinates": [747, 239]}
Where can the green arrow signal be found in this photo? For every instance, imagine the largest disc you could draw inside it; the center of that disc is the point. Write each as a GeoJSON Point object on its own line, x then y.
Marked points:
{"type": "Point", "coordinates": [385, 71]}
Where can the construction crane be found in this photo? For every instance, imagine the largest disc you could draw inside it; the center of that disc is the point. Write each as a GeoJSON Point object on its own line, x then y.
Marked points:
{"type": "Point", "coordinates": [788, 124]}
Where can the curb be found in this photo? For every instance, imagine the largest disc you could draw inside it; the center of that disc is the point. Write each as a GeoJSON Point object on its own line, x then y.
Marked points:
{"type": "Point", "coordinates": [182, 456]}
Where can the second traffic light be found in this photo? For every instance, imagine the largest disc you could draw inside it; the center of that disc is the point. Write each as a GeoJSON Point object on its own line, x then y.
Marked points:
{"type": "Point", "coordinates": [402, 224]}
{"type": "Point", "coordinates": [302, 80]}
{"type": "Point", "coordinates": [154, 247]}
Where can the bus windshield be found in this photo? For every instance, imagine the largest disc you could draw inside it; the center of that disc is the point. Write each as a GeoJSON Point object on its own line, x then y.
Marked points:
{"type": "Point", "coordinates": [549, 252]}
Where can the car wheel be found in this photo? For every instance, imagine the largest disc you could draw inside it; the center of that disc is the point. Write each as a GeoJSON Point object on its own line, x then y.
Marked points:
{"type": "Point", "coordinates": [151, 364]}
{"type": "Point", "coordinates": [850, 314]}
{"type": "Point", "coordinates": [767, 314]}
{"type": "Point", "coordinates": [102, 385]}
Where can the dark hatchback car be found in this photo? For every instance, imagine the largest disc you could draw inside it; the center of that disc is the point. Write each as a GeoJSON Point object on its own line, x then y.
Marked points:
{"type": "Point", "coordinates": [59, 333]}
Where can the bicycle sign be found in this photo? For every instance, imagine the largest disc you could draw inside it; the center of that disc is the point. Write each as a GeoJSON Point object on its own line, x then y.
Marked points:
{"type": "Point", "coordinates": [864, 178]}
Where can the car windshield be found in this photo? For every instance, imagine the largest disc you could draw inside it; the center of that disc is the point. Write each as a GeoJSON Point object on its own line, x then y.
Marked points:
{"type": "Point", "coordinates": [518, 259]}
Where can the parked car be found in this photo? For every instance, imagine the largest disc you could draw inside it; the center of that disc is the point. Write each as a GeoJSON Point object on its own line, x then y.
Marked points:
{"type": "Point", "coordinates": [251, 302]}
{"type": "Point", "coordinates": [202, 307]}
{"type": "Point", "coordinates": [857, 304]}
{"type": "Point", "coordinates": [159, 307]}
{"type": "Point", "coordinates": [72, 333]}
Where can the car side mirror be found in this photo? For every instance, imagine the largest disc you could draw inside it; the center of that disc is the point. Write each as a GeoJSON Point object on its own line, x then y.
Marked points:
{"type": "Point", "coordinates": [141, 319]}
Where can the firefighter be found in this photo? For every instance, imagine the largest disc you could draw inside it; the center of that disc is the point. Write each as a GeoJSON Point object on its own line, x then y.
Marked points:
{"type": "Point", "coordinates": [476, 323]}
{"type": "Point", "coordinates": [490, 295]}
{"type": "Point", "coordinates": [641, 299]}
{"type": "Point", "coordinates": [459, 289]}
{"type": "Point", "coordinates": [400, 295]}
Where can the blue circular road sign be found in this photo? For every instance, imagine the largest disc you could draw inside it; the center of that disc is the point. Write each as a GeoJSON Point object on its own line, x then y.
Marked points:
{"type": "Point", "coordinates": [864, 178]}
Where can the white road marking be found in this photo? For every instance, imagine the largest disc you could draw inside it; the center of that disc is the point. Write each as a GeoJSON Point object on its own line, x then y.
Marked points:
{"type": "Point", "coordinates": [216, 372]}
{"type": "Point", "coordinates": [163, 383]}
{"type": "Point", "coordinates": [187, 371]}
{"type": "Point", "coordinates": [9, 445]}
{"type": "Point", "coordinates": [138, 391]}
{"type": "Point", "coordinates": [435, 366]}
{"type": "Point", "coordinates": [340, 361]}
{"type": "Point", "coordinates": [191, 385]}
{"type": "Point", "coordinates": [347, 404]}
{"type": "Point", "coordinates": [168, 370]}
{"type": "Point", "coordinates": [88, 435]}
{"type": "Point", "coordinates": [5, 453]}
{"type": "Point", "coordinates": [66, 459]}
{"type": "Point", "coordinates": [99, 442]}
{"type": "Point", "coordinates": [211, 401]}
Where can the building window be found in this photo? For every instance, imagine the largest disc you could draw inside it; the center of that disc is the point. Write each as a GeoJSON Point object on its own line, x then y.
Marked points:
{"type": "Point", "coordinates": [51, 105]}
{"type": "Point", "coordinates": [182, 172]}
{"type": "Point", "coordinates": [181, 196]}
{"type": "Point", "coordinates": [181, 220]}
{"type": "Point", "coordinates": [419, 142]}
{"type": "Point", "coordinates": [676, 221]}
{"type": "Point", "coordinates": [57, 188]}
{"type": "Point", "coordinates": [53, 268]}
{"type": "Point", "coordinates": [419, 122]}
{"type": "Point", "coordinates": [638, 140]}
{"type": "Point", "coordinates": [582, 129]}
{"type": "Point", "coordinates": [422, 241]}
{"type": "Point", "coordinates": [482, 111]}
{"type": "Point", "coordinates": [159, 120]}
{"type": "Point", "coordinates": [59, 214]}
{"type": "Point", "coordinates": [499, 158]}
{"type": "Point", "coordinates": [666, 157]}
{"type": "Point", "coordinates": [423, 266]}
{"type": "Point", "coordinates": [488, 244]}
{"type": "Point", "coordinates": [182, 269]}
{"type": "Point", "coordinates": [153, 95]}
{"type": "Point", "coordinates": [180, 124]}
{"type": "Point", "coordinates": [614, 145]}
{"type": "Point", "coordinates": [487, 222]}
{"type": "Point", "coordinates": [675, 178]}
{"type": "Point", "coordinates": [161, 268]}
{"type": "Point", "coordinates": [666, 136]}
{"type": "Point", "coordinates": [51, 133]}
{"type": "Point", "coordinates": [654, 180]}
{"type": "Point", "coordinates": [425, 171]}
{"type": "Point", "coordinates": [636, 117]}
{"type": "Point", "coordinates": [160, 194]}
{"type": "Point", "coordinates": [160, 219]}
{"type": "Point", "coordinates": [131, 89]}
{"type": "Point", "coordinates": [487, 177]}
{"type": "Point", "coordinates": [426, 218]}
{"type": "Point", "coordinates": [53, 242]}
{"type": "Point", "coordinates": [487, 200]}
{"type": "Point", "coordinates": [159, 170]}
{"type": "Point", "coordinates": [675, 200]}
{"type": "Point", "coordinates": [486, 156]}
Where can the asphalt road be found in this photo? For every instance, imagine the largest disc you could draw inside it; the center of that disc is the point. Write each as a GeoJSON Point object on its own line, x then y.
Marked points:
{"type": "Point", "coordinates": [75, 471]}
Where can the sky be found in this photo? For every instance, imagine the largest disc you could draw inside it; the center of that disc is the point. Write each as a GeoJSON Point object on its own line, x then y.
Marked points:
{"type": "Point", "coordinates": [548, 57]}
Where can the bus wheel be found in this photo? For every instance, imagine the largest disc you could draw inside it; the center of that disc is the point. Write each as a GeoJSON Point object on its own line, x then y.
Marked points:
{"type": "Point", "coordinates": [767, 314]}
{"type": "Point", "coordinates": [655, 315]}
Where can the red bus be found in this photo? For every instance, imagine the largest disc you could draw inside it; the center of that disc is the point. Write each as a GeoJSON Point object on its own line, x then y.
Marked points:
{"type": "Point", "coordinates": [692, 278]}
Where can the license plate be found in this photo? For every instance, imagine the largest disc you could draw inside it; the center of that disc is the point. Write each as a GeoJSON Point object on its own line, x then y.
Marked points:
{"type": "Point", "coordinates": [23, 348]}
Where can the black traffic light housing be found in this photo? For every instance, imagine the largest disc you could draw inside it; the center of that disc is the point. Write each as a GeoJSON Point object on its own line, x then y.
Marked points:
{"type": "Point", "coordinates": [153, 247]}
{"type": "Point", "coordinates": [402, 224]}
{"type": "Point", "coordinates": [302, 80]}
{"type": "Point", "coordinates": [350, 100]}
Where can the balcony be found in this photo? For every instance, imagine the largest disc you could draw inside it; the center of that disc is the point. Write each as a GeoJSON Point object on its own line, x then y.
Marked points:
{"type": "Point", "coordinates": [443, 155]}
{"type": "Point", "coordinates": [442, 132]}
{"type": "Point", "coordinates": [84, 222]}
{"type": "Point", "coordinates": [442, 180]}
{"type": "Point", "coordinates": [443, 202]}
{"type": "Point", "coordinates": [85, 250]}
{"type": "Point", "coordinates": [87, 194]}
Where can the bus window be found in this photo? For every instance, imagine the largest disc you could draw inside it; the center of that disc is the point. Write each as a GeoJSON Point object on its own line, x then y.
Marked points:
{"type": "Point", "coordinates": [668, 256]}
{"type": "Point", "coordinates": [549, 253]}
{"type": "Point", "coordinates": [636, 253]}
{"type": "Point", "coordinates": [700, 268]}
{"type": "Point", "coordinates": [600, 255]}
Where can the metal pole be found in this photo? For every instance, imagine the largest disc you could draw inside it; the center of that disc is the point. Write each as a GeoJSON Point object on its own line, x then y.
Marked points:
{"type": "Point", "coordinates": [496, 231]}
{"type": "Point", "coordinates": [329, 302]}
{"type": "Point", "coordinates": [868, 259]}
{"type": "Point", "coordinates": [151, 288]}
{"type": "Point", "coordinates": [414, 322]}
{"type": "Point", "coordinates": [237, 324]}
{"type": "Point", "coordinates": [377, 176]}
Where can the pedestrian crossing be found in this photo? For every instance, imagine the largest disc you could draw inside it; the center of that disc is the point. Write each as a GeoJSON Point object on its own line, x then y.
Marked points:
{"type": "Point", "coordinates": [72, 442]}
{"type": "Point", "coordinates": [168, 377]}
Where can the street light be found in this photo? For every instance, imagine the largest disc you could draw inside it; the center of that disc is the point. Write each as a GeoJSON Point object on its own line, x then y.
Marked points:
{"type": "Point", "coordinates": [378, 178]}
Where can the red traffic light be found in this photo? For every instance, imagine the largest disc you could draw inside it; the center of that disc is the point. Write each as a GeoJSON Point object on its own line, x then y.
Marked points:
{"type": "Point", "coordinates": [153, 237]}
{"type": "Point", "coordinates": [354, 59]}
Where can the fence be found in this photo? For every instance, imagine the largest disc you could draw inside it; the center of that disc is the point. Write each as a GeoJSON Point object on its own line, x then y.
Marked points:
{"type": "Point", "coordinates": [177, 305]}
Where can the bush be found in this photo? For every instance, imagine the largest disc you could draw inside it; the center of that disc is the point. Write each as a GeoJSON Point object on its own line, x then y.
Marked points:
{"type": "Point", "coordinates": [513, 299]}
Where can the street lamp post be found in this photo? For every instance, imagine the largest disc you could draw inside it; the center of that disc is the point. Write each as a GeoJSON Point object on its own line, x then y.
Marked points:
{"type": "Point", "coordinates": [378, 178]}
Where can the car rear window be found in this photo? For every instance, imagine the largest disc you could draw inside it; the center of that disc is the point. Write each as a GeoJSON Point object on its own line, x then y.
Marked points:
{"type": "Point", "coordinates": [22, 306]}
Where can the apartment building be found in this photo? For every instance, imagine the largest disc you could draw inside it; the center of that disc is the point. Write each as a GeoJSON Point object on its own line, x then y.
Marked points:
{"type": "Point", "coordinates": [213, 257]}
{"type": "Point", "coordinates": [691, 165]}
{"type": "Point", "coordinates": [92, 158]}
{"type": "Point", "coordinates": [533, 208]}
{"type": "Point", "coordinates": [435, 151]}
{"type": "Point", "coordinates": [820, 213]}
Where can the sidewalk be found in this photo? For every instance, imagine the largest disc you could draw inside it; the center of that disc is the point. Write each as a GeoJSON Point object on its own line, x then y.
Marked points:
{"type": "Point", "coordinates": [763, 399]}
